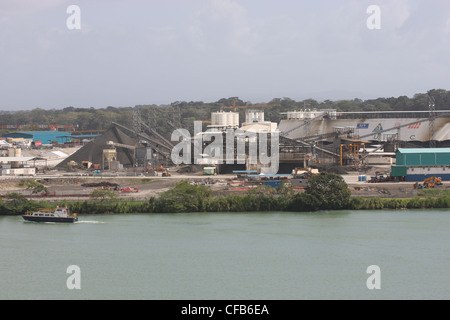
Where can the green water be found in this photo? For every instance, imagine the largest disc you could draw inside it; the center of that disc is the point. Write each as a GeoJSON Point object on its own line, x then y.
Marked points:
{"type": "Point", "coordinates": [229, 256]}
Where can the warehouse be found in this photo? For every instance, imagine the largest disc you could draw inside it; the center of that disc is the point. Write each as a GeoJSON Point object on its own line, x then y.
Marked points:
{"type": "Point", "coordinates": [417, 164]}
{"type": "Point", "coordinates": [46, 137]}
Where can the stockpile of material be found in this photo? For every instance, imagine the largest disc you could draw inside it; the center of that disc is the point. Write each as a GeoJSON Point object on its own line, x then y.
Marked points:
{"type": "Point", "coordinates": [93, 151]}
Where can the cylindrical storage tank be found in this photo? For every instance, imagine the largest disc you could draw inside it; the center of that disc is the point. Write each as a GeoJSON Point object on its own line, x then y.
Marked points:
{"type": "Point", "coordinates": [229, 119]}
{"type": "Point", "coordinates": [14, 152]}
{"type": "Point", "coordinates": [217, 118]}
{"type": "Point", "coordinates": [225, 118]}
{"type": "Point", "coordinates": [213, 118]}
{"type": "Point", "coordinates": [236, 119]}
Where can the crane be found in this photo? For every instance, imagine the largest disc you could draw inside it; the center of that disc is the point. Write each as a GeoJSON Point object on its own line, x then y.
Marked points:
{"type": "Point", "coordinates": [431, 106]}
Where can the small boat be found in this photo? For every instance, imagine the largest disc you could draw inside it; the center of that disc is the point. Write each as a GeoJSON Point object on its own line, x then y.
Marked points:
{"type": "Point", "coordinates": [60, 214]}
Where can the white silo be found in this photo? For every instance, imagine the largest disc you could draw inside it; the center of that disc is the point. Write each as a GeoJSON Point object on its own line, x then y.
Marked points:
{"type": "Point", "coordinates": [254, 116]}
{"type": "Point", "coordinates": [224, 119]}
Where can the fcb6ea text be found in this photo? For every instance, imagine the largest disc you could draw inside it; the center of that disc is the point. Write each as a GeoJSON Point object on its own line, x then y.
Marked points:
{"type": "Point", "coordinates": [231, 309]}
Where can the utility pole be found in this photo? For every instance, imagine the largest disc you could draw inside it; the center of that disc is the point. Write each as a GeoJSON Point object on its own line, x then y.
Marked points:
{"type": "Point", "coordinates": [431, 106]}
{"type": "Point", "coordinates": [137, 127]}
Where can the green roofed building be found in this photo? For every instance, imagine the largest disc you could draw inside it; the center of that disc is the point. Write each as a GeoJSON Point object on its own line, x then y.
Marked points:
{"type": "Point", "coordinates": [417, 164]}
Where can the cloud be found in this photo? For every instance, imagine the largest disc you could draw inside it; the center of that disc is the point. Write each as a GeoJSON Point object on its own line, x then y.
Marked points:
{"type": "Point", "coordinates": [395, 13]}
{"type": "Point", "coordinates": [222, 25]}
{"type": "Point", "coordinates": [12, 10]}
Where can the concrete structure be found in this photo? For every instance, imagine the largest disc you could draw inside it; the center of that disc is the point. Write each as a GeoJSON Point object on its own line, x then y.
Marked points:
{"type": "Point", "coordinates": [408, 126]}
{"type": "Point", "coordinates": [18, 166]}
{"type": "Point", "coordinates": [254, 121]}
{"type": "Point", "coordinates": [417, 164]}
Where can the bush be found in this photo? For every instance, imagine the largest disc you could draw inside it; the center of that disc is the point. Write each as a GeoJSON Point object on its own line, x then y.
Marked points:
{"type": "Point", "coordinates": [330, 190]}
{"type": "Point", "coordinates": [183, 197]}
{"type": "Point", "coordinates": [302, 202]}
{"type": "Point", "coordinates": [218, 204]}
{"type": "Point", "coordinates": [443, 202]}
{"type": "Point", "coordinates": [357, 203]}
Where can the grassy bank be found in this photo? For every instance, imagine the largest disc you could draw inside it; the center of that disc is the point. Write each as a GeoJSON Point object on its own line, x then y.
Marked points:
{"type": "Point", "coordinates": [241, 203]}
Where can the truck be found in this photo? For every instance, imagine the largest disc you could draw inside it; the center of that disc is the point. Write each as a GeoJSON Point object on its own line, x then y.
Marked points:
{"type": "Point", "coordinates": [209, 171]}
{"type": "Point", "coordinates": [380, 177]}
{"type": "Point", "coordinates": [36, 144]}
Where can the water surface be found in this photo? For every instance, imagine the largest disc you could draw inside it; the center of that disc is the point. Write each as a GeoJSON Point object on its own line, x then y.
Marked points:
{"type": "Point", "coordinates": [274, 255]}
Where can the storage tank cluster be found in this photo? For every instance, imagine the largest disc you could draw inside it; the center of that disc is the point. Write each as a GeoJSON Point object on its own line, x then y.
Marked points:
{"type": "Point", "coordinates": [254, 116]}
{"type": "Point", "coordinates": [14, 152]}
{"type": "Point", "coordinates": [225, 119]}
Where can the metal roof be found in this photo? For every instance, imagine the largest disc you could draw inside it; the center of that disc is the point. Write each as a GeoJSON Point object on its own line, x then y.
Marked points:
{"type": "Point", "coordinates": [44, 136]}
{"type": "Point", "coordinates": [423, 150]}
{"type": "Point", "coordinates": [19, 159]}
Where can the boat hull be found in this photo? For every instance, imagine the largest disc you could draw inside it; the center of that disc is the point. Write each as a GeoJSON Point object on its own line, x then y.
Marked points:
{"type": "Point", "coordinates": [50, 219]}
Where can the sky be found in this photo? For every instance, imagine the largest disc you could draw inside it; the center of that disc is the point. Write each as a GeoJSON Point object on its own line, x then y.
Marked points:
{"type": "Point", "coordinates": [135, 52]}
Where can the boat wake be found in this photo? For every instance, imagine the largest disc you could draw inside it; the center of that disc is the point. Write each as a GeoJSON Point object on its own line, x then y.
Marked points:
{"type": "Point", "coordinates": [89, 221]}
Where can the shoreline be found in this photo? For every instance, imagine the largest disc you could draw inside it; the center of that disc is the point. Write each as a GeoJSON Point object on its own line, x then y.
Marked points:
{"type": "Point", "coordinates": [247, 203]}
{"type": "Point", "coordinates": [207, 194]}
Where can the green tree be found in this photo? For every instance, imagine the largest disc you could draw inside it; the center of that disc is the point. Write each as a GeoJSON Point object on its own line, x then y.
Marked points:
{"type": "Point", "coordinates": [103, 195]}
{"type": "Point", "coordinates": [16, 203]}
{"type": "Point", "coordinates": [330, 190]}
{"type": "Point", "coordinates": [33, 186]}
{"type": "Point", "coordinates": [184, 197]}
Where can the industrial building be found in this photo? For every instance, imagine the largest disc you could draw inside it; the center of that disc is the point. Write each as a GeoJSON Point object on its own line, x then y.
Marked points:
{"type": "Point", "coordinates": [361, 138]}
{"type": "Point", "coordinates": [45, 137]}
{"type": "Point", "coordinates": [121, 148]}
{"type": "Point", "coordinates": [382, 126]}
{"type": "Point", "coordinates": [14, 164]}
{"type": "Point", "coordinates": [418, 164]}
{"type": "Point", "coordinates": [308, 138]}
{"type": "Point", "coordinates": [93, 152]}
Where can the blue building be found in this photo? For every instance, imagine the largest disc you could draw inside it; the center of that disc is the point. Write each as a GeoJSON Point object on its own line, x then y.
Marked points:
{"type": "Point", "coordinates": [46, 137]}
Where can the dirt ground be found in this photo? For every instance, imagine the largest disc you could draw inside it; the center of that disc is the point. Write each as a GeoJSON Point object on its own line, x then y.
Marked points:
{"type": "Point", "coordinates": [79, 187]}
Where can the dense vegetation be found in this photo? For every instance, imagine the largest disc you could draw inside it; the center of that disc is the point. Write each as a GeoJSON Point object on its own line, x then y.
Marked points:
{"type": "Point", "coordinates": [326, 192]}
{"type": "Point", "coordinates": [182, 113]}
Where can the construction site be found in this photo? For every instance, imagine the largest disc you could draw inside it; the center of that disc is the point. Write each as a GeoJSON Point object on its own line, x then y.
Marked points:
{"type": "Point", "coordinates": [357, 145]}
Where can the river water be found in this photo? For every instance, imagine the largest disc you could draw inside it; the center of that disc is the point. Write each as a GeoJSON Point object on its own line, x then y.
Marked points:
{"type": "Point", "coordinates": [276, 255]}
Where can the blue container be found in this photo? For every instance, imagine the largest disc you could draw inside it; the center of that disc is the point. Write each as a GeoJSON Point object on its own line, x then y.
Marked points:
{"type": "Point", "coordinates": [272, 183]}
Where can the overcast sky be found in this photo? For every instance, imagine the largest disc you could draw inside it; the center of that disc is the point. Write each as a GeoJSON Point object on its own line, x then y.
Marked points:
{"type": "Point", "coordinates": [131, 52]}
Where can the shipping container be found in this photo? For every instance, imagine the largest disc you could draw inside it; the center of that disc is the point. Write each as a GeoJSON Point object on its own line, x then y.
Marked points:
{"type": "Point", "coordinates": [398, 171]}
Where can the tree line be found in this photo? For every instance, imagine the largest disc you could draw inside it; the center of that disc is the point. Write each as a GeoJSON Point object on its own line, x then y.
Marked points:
{"type": "Point", "coordinates": [182, 114]}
